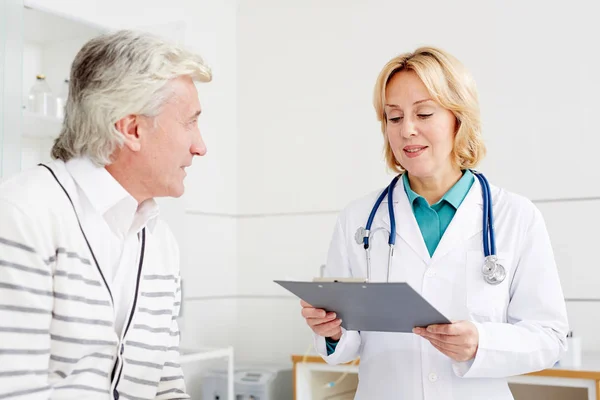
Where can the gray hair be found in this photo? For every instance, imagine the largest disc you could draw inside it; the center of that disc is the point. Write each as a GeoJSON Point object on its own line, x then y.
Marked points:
{"type": "Point", "coordinates": [115, 75]}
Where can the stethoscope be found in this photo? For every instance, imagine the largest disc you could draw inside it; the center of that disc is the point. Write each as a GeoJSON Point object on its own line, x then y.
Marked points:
{"type": "Point", "coordinates": [493, 272]}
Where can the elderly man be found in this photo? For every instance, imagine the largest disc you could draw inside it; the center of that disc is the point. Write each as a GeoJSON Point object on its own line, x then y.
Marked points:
{"type": "Point", "coordinates": [89, 276]}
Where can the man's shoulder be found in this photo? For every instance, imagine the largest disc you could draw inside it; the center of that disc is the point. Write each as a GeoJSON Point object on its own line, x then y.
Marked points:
{"type": "Point", "coordinates": [163, 231]}
{"type": "Point", "coordinates": [162, 234]}
{"type": "Point", "coordinates": [34, 187]}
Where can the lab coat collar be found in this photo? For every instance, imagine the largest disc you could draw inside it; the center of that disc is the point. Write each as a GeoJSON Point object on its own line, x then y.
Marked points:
{"type": "Point", "coordinates": [466, 222]}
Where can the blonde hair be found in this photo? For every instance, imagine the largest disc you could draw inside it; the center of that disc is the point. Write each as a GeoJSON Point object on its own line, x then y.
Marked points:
{"type": "Point", "coordinates": [113, 76]}
{"type": "Point", "coordinates": [451, 86]}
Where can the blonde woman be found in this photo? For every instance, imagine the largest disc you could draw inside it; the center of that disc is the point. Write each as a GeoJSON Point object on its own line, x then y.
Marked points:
{"type": "Point", "coordinates": [479, 254]}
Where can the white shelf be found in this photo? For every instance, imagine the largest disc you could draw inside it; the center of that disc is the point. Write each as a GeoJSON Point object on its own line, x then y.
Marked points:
{"type": "Point", "coordinates": [40, 127]}
{"type": "Point", "coordinates": [194, 355]}
{"type": "Point", "coordinates": [50, 43]}
{"type": "Point", "coordinates": [188, 355]}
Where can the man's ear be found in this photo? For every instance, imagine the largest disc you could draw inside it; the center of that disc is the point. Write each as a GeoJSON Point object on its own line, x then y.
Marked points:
{"type": "Point", "coordinates": [128, 126]}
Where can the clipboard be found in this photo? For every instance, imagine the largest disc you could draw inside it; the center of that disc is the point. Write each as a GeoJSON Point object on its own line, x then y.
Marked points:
{"type": "Point", "coordinates": [374, 306]}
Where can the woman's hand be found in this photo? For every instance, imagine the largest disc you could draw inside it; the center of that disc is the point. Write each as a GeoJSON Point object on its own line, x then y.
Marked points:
{"type": "Point", "coordinates": [321, 322]}
{"type": "Point", "coordinates": [458, 340]}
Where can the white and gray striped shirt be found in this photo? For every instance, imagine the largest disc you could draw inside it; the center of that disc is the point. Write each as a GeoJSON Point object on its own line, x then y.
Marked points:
{"type": "Point", "coordinates": [57, 316]}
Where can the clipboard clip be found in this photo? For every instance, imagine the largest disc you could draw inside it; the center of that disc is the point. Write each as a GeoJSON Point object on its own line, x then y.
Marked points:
{"type": "Point", "coordinates": [340, 279]}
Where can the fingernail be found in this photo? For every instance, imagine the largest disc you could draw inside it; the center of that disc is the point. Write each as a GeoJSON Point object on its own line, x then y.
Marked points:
{"type": "Point", "coordinates": [429, 329]}
{"type": "Point", "coordinates": [417, 330]}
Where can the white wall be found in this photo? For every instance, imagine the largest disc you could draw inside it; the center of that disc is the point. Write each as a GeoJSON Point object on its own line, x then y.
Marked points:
{"type": "Point", "coordinates": [309, 141]}
{"type": "Point", "coordinates": [276, 247]}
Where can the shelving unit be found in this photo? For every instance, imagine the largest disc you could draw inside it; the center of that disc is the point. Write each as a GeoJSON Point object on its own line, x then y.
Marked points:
{"type": "Point", "coordinates": [50, 43]}
{"type": "Point", "coordinates": [311, 378]}
{"type": "Point", "coordinates": [37, 126]}
{"type": "Point", "coordinates": [188, 356]}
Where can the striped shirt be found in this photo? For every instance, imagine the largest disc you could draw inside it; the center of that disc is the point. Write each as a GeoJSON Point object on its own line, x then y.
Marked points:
{"type": "Point", "coordinates": [112, 221]}
{"type": "Point", "coordinates": [57, 314]}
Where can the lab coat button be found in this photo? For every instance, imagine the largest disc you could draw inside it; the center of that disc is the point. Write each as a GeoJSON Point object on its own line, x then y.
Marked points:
{"type": "Point", "coordinates": [433, 377]}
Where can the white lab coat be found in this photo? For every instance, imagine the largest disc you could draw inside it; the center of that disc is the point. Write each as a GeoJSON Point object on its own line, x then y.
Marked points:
{"type": "Point", "coordinates": [522, 322]}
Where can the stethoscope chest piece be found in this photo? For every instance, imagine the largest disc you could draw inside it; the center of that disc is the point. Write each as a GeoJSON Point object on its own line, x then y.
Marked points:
{"type": "Point", "coordinates": [360, 235]}
{"type": "Point", "coordinates": [493, 272]}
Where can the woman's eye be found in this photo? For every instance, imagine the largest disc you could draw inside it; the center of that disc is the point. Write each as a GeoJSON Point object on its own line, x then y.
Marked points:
{"type": "Point", "coordinates": [395, 119]}
{"type": "Point", "coordinates": [424, 116]}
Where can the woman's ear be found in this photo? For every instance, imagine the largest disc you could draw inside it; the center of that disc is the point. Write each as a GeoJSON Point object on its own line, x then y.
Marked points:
{"type": "Point", "coordinates": [456, 125]}
{"type": "Point", "coordinates": [129, 126]}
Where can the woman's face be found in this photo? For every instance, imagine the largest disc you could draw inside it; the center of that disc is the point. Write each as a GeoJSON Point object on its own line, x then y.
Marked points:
{"type": "Point", "coordinates": [420, 131]}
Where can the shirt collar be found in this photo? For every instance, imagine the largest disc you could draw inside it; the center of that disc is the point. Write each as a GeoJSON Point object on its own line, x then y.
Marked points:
{"type": "Point", "coordinates": [458, 192]}
{"type": "Point", "coordinates": [106, 195]}
{"type": "Point", "coordinates": [454, 196]}
{"type": "Point", "coordinates": [412, 196]}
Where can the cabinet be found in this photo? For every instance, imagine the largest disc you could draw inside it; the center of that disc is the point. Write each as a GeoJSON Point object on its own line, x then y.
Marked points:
{"type": "Point", "coordinates": [39, 41]}
{"type": "Point", "coordinates": [50, 43]}
{"type": "Point", "coordinates": [32, 42]}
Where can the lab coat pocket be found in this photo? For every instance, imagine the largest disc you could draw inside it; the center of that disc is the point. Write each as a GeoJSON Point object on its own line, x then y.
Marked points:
{"type": "Point", "coordinates": [486, 302]}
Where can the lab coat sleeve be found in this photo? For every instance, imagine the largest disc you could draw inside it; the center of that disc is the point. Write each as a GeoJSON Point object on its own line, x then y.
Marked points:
{"type": "Point", "coordinates": [345, 351]}
{"type": "Point", "coordinates": [338, 265]}
{"type": "Point", "coordinates": [534, 336]}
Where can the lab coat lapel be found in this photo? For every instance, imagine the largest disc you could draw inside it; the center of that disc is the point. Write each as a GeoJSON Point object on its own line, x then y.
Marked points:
{"type": "Point", "coordinates": [406, 224]}
{"type": "Point", "coordinates": [467, 222]}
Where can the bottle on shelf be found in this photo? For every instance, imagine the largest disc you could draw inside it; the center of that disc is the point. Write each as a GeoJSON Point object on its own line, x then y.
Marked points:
{"type": "Point", "coordinates": [61, 99]}
{"type": "Point", "coordinates": [40, 97]}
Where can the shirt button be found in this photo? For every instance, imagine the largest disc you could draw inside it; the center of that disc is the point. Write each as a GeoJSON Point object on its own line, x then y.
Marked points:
{"type": "Point", "coordinates": [430, 273]}
{"type": "Point", "coordinates": [116, 394]}
{"type": "Point", "coordinates": [433, 377]}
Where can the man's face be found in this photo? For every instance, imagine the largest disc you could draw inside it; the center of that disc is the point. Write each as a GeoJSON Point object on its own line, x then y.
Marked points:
{"type": "Point", "coordinates": [171, 141]}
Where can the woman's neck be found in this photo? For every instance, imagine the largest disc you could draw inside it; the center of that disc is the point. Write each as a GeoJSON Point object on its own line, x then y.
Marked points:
{"type": "Point", "coordinates": [433, 188]}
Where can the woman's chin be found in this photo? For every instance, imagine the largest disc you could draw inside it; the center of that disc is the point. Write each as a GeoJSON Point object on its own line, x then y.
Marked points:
{"type": "Point", "coordinates": [418, 170]}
